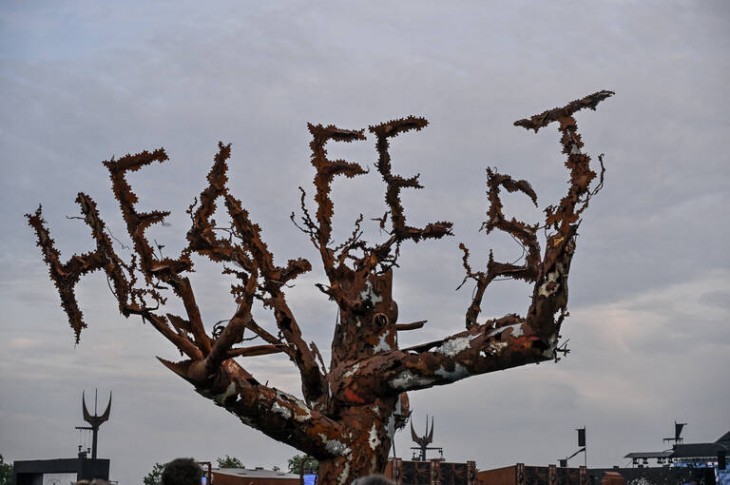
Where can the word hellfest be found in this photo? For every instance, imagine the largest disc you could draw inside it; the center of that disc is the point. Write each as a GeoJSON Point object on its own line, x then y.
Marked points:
{"type": "Point", "coordinates": [350, 408]}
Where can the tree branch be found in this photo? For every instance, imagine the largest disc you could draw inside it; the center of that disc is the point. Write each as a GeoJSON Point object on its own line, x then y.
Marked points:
{"type": "Point", "coordinates": [556, 114]}
{"type": "Point", "coordinates": [273, 412]}
{"type": "Point", "coordinates": [512, 340]}
{"type": "Point", "coordinates": [66, 275]}
{"type": "Point", "coordinates": [523, 233]}
{"type": "Point", "coordinates": [137, 223]}
{"type": "Point", "coordinates": [400, 230]}
{"type": "Point", "coordinates": [326, 172]}
{"type": "Point", "coordinates": [500, 344]}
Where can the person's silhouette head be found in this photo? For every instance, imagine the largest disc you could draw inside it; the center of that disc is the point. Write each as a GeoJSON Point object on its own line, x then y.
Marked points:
{"type": "Point", "coordinates": [182, 471]}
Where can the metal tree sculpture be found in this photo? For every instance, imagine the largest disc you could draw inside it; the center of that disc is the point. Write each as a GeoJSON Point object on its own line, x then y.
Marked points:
{"type": "Point", "coordinates": [346, 412]}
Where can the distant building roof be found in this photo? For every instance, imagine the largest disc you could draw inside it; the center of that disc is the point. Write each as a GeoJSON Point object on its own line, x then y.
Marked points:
{"type": "Point", "coordinates": [702, 450]}
{"type": "Point", "coordinates": [255, 473]}
{"type": "Point", "coordinates": [697, 450]}
{"type": "Point", "coordinates": [687, 451]}
{"type": "Point", "coordinates": [649, 454]}
{"type": "Point", "coordinates": [724, 439]}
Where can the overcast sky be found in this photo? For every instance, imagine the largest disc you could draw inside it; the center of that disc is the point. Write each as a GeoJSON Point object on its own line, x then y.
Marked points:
{"type": "Point", "coordinates": [82, 81]}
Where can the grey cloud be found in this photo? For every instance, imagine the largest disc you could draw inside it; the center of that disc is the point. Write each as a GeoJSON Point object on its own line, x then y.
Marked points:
{"type": "Point", "coordinates": [84, 81]}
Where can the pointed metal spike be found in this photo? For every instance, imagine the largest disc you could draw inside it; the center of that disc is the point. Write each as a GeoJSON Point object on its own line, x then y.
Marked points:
{"type": "Point", "coordinates": [107, 412]}
{"type": "Point", "coordinates": [179, 368]}
{"type": "Point", "coordinates": [87, 415]}
{"type": "Point", "coordinates": [430, 434]}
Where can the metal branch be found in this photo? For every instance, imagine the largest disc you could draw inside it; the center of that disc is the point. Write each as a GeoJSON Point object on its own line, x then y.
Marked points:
{"type": "Point", "coordinates": [255, 351]}
{"type": "Point", "coordinates": [201, 236]}
{"type": "Point", "coordinates": [308, 227]}
{"type": "Point", "coordinates": [402, 327]}
{"type": "Point", "coordinates": [182, 342]}
{"type": "Point", "coordinates": [524, 233]}
{"type": "Point", "coordinates": [512, 340]}
{"type": "Point", "coordinates": [277, 414]}
{"type": "Point", "coordinates": [557, 114]}
{"type": "Point", "coordinates": [326, 172]}
{"type": "Point", "coordinates": [139, 222]}
{"type": "Point", "coordinates": [66, 275]}
{"type": "Point", "coordinates": [400, 230]}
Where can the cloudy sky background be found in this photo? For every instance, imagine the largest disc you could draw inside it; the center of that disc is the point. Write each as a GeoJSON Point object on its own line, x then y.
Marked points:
{"type": "Point", "coordinates": [82, 81]}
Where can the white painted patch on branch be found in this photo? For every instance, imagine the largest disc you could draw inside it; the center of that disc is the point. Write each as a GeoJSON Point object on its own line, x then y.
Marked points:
{"type": "Point", "coordinates": [408, 379]}
{"type": "Point", "coordinates": [459, 372]}
{"type": "Point", "coordinates": [334, 446]}
{"type": "Point", "coordinates": [305, 414]}
{"type": "Point", "coordinates": [496, 347]}
{"type": "Point", "coordinates": [342, 479]}
{"type": "Point", "coordinates": [550, 285]}
{"type": "Point", "coordinates": [454, 346]}
{"type": "Point", "coordinates": [337, 447]}
{"type": "Point", "coordinates": [279, 409]}
{"type": "Point", "coordinates": [373, 440]}
{"type": "Point", "coordinates": [516, 330]}
{"type": "Point", "coordinates": [368, 294]}
{"type": "Point", "coordinates": [552, 345]}
{"type": "Point", "coordinates": [352, 370]}
{"type": "Point", "coordinates": [383, 345]}
{"type": "Point", "coordinates": [391, 424]}
{"type": "Point", "coordinates": [230, 391]}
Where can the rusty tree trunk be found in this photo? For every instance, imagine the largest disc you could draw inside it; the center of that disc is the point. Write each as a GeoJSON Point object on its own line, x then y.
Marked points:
{"type": "Point", "coordinates": [347, 413]}
{"type": "Point", "coordinates": [365, 330]}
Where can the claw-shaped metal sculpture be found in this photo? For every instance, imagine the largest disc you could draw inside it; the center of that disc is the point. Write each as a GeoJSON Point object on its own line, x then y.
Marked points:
{"type": "Point", "coordinates": [423, 441]}
{"type": "Point", "coordinates": [94, 420]}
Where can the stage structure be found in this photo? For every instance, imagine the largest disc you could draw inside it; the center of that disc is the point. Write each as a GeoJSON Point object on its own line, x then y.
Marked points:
{"type": "Point", "coordinates": [67, 470]}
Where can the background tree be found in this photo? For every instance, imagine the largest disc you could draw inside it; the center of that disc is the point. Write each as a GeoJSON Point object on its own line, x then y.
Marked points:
{"type": "Point", "coordinates": [6, 472]}
{"type": "Point", "coordinates": [229, 462]}
{"type": "Point", "coordinates": [349, 409]}
{"type": "Point", "coordinates": [154, 477]}
{"type": "Point", "coordinates": [297, 463]}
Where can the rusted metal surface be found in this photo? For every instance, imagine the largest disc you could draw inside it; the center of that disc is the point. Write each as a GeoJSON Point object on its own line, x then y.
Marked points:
{"type": "Point", "coordinates": [432, 472]}
{"type": "Point", "coordinates": [520, 474]}
{"type": "Point", "coordinates": [346, 408]}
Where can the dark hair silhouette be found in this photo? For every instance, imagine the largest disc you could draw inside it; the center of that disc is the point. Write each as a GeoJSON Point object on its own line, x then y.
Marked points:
{"type": "Point", "coordinates": [372, 480]}
{"type": "Point", "coordinates": [182, 471]}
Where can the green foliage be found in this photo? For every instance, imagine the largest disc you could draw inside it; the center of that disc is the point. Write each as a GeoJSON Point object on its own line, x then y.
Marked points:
{"type": "Point", "coordinates": [6, 472]}
{"type": "Point", "coordinates": [229, 462]}
{"type": "Point", "coordinates": [295, 464]}
{"type": "Point", "coordinates": [155, 476]}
